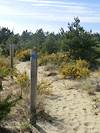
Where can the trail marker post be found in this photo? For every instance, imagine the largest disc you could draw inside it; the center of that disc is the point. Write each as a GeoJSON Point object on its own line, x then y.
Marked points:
{"type": "Point", "coordinates": [33, 87]}
{"type": "Point", "coordinates": [11, 58]}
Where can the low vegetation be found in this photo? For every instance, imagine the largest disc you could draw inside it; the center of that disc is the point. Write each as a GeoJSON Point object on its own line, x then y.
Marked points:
{"type": "Point", "coordinates": [7, 102]}
{"type": "Point", "coordinates": [4, 67]}
{"type": "Point", "coordinates": [54, 58]}
{"type": "Point", "coordinates": [6, 105]}
{"type": "Point", "coordinates": [23, 55]}
{"type": "Point", "coordinates": [73, 54]}
{"type": "Point", "coordinates": [22, 80]}
{"type": "Point", "coordinates": [76, 42]}
{"type": "Point", "coordinates": [44, 88]}
{"type": "Point", "coordinates": [76, 70]}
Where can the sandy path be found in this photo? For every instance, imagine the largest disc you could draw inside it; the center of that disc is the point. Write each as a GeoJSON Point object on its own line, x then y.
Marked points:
{"type": "Point", "coordinates": [70, 109]}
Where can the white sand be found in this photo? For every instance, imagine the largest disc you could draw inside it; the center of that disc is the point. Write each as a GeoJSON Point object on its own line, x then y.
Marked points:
{"type": "Point", "coordinates": [71, 109]}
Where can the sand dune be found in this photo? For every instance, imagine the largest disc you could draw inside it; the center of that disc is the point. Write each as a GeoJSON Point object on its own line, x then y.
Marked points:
{"type": "Point", "coordinates": [69, 109]}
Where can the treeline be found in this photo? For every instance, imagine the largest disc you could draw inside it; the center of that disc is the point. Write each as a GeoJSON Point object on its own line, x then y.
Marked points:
{"type": "Point", "coordinates": [78, 42]}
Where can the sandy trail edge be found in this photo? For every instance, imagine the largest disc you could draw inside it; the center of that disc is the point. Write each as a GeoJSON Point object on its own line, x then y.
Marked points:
{"type": "Point", "coordinates": [71, 110]}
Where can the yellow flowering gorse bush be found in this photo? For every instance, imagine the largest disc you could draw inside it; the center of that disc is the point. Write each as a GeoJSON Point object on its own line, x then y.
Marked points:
{"type": "Point", "coordinates": [56, 59]}
{"type": "Point", "coordinates": [22, 79]}
{"type": "Point", "coordinates": [4, 67]}
{"type": "Point", "coordinates": [23, 55]}
{"type": "Point", "coordinates": [79, 69]}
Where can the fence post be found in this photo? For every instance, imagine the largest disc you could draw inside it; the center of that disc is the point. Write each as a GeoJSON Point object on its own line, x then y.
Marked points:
{"type": "Point", "coordinates": [11, 59]}
{"type": "Point", "coordinates": [33, 87]}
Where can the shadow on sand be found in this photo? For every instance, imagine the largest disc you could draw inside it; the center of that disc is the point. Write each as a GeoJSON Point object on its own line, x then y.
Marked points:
{"type": "Point", "coordinates": [44, 117]}
{"type": "Point", "coordinates": [5, 130]}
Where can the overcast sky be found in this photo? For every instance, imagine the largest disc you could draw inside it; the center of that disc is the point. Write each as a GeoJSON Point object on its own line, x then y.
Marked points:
{"type": "Point", "coordinates": [51, 15]}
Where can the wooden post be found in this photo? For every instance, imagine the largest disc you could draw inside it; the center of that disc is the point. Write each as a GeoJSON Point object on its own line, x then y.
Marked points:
{"type": "Point", "coordinates": [11, 58]}
{"type": "Point", "coordinates": [33, 87]}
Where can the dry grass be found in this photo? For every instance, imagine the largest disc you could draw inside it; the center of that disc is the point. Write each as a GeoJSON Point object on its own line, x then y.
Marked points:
{"type": "Point", "coordinates": [44, 88]}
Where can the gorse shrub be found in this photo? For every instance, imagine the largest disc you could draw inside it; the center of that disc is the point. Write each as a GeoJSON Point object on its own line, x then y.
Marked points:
{"type": "Point", "coordinates": [82, 63]}
{"type": "Point", "coordinates": [55, 59]}
{"type": "Point", "coordinates": [4, 67]}
{"type": "Point", "coordinates": [23, 55]}
{"type": "Point", "coordinates": [78, 69]}
{"type": "Point", "coordinates": [4, 71]}
{"type": "Point", "coordinates": [58, 58]}
{"type": "Point", "coordinates": [4, 62]}
{"type": "Point", "coordinates": [43, 60]}
{"type": "Point", "coordinates": [22, 78]}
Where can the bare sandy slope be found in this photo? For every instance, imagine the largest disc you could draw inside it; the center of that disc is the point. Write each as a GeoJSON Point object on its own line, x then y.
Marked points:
{"type": "Point", "coordinates": [69, 109]}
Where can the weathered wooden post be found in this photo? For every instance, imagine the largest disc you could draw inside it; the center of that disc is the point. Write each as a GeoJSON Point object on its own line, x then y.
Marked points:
{"type": "Point", "coordinates": [11, 59]}
{"type": "Point", "coordinates": [33, 86]}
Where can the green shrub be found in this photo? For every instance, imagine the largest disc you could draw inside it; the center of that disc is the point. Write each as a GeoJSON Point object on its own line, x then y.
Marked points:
{"type": "Point", "coordinates": [6, 105]}
{"type": "Point", "coordinates": [23, 55]}
{"type": "Point", "coordinates": [4, 71]}
{"type": "Point", "coordinates": [8, 102]}
{"type": "Point", "coordinates": [78, 69]}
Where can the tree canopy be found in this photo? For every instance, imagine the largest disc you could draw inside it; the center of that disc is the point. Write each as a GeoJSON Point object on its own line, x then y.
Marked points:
{"type": "Point", "coordinates": [76, 40]}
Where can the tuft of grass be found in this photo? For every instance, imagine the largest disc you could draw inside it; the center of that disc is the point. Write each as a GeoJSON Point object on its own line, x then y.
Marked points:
{"type": "Point", "coordinates": [50, 67]}
{"type": "Point", "coordinates": [25, 126]}
{"type": "Point", "coordinates": [44, 88]}
{"type": "Point", "coordinates": [88, 86]}
{"type": "Point", "coordinates": [22, 80]}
